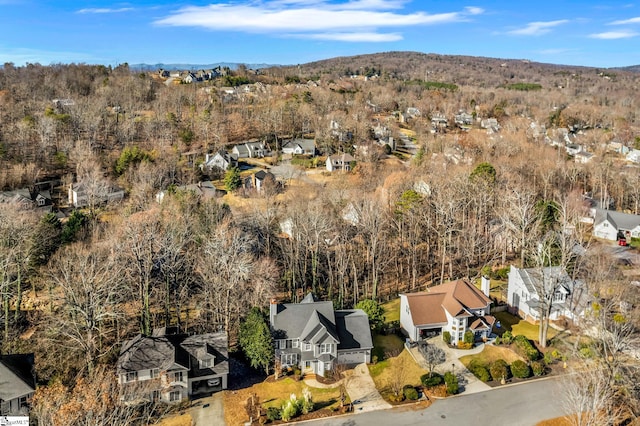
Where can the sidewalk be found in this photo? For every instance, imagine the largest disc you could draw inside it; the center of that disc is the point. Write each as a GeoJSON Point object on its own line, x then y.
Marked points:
{"type": "Point", "coordinates": [469, 383]}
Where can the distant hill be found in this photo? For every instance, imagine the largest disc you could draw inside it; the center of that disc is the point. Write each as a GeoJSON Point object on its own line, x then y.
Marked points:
{"type": "Point", "coordinates": [169, 67]}
{"type": "Point", "coordinates": [632, 68]}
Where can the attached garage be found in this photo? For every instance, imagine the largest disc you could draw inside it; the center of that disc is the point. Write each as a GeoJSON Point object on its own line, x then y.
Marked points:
{"type": "Point", "coordinates": [353, 357]}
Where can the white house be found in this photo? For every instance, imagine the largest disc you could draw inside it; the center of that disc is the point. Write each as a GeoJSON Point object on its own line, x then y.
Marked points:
{"type": "Point", "coordinates": [250, 150]}
{"type": "Point", "coordinates": [339, 162]}
{"type": "Point", "coordinates": [221, 160]}
{"type": "Point", "coordinates": [299, 147]}
{"type": "Point", "coordinates": [634, 156]}
{"type": "Point", "coordinates": [81, 195]}
{"type": "Point", "coordinates": [525, 285]}
{"type": "Point", "coordinates": [456, 307]}
{"type": "Point", "coordinates": [612, 225]}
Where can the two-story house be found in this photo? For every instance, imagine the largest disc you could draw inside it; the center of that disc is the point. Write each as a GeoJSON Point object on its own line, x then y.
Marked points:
{"type": "Point", "coordinates": [568, 297]}
{"type": "Point", "coordinates": [299, 147]}
{"type": "Point", "coordinates": [171, 367]}
{"type": "Point", "coordinates": [17, 383]}
{"type": "Point", "coordinates": [339, 162]}
{"type": "Point", "coordinates": [315, 337]}
{"type": "Point", "coordinates": [250, 150]}
{"type": "Point", "coordinates": [221, 160]}
{"type": "Point", "coordinates": [456, 307]}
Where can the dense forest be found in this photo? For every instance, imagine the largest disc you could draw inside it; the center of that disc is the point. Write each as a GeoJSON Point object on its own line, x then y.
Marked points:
{"type": "Point", "coordinates": [465, 201]}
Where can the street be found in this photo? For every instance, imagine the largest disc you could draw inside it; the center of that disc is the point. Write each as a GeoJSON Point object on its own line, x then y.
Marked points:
{"type": "Point", "coordinates": [515, 405]}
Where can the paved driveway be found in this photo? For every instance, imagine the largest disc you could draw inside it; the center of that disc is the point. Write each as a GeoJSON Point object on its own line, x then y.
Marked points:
{"type": "Point", "coordinates": [208, 411]}
{"type": "Point", "coordinates": [362, 390]}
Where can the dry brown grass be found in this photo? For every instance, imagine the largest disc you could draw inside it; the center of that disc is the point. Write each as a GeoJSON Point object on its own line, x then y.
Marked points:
{"type": "Point", "coordinates": [404, 363]}
{"type": "Point", "coordinates": [558, 421]}
{"type": "Point", "coordinates": [179, 420]}
{"type": "Point", "coordinates": [272, 394]}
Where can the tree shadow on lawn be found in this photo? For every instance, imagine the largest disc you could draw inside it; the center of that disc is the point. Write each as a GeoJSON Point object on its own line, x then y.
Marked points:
{"type": "Point", "coordinates": [241, 374]}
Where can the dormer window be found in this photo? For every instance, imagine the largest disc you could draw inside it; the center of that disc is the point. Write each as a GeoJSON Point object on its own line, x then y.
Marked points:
{"type": "Point", "coordinates": [206, 362]}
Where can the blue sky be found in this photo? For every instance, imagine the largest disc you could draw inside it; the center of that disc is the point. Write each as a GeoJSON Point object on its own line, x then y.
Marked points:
{"type": "Point", "coordinates": [592, 33]}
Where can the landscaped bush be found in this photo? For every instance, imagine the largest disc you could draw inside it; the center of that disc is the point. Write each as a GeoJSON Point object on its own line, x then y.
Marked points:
{"type": "Point", "coordinates": [507, 337]}
{"type": "Point", "coordinates": [548, 358]}
{"type": "Point", "coordinates": [469, 337]}
{"type": "Point", "coordinates": [273, 414]}
{"type": "Point", "coordinates": [289, 410]}
{"type": "Point", "coordinates": [537, 368]}
{"type": "Point", "coordinates": [395, 398]}
{"type": "Point", "coordinates": [452, 383]}
{"type": "Point", "coordinates": [431, 380]}
{"type": "Point", "coordinates": [499, 369]}
{"type": "Point", "coordinates": [446, 336]}
{"type": "Point", "coordinates": [410, 392]}
{"type": "Point", "coordinates": [465, 345]}
{"type": "Point", "coordinates": [481, 373]}
{"type": "Point", "coordinates": [497, 341]}
{"type": "Point", "coordinates": [525, 348]}
{"type": "Point", "coordinates": [586, 352]}
{"type": "Point", "coordinates": [520, 369]}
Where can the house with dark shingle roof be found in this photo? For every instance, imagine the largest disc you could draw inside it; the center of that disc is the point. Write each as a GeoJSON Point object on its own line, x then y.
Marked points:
{"type": "Point", "coordinates": [456, 307]}
{"type": "Point", "coordinates": [171, 367]}
{"type": "Point", "coordinates": [315, 337]}
{"type": "Point", "coordinates": [17, 383]}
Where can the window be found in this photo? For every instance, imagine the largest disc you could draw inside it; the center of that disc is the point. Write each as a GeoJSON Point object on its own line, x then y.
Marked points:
{"type": "Point", "coordinates": [206, 363]}
{"type": "Point", "coordinates": [178, 376]}
{"type": "Point", "coordinates": [307, 347]}
{"type": "Point", "coordinates": [175, 396]}
{"type": "Point", "coordinates": [155, 395]}
{"type": "Point", "coordinates": [327, 366]}
{"type": "Point", "coordinates": [289, 359]}
{"type": "Point", "coordinates": [155, 373]}
{"type": "Point", "coordinates": [295, 343]}
{"type": "Point", "coordinates": [326, 348]}
{"type": "Point", "coordinates": [131, 376]}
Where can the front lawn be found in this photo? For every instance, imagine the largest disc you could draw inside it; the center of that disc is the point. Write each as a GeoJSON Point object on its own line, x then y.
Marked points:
{"type": "Point", "coordinates": [518, 326]}
{"type": "Point", "coordinates": [400, 369]}
{"type": "Point", "coordinates": [272, 394]}
{"type": "Point", "coordinates": [490, 354]}
{"type": "Point", "coordinates": [385, 345]}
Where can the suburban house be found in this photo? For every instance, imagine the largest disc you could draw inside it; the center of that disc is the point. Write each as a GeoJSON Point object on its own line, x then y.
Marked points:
{"type": "Point", "coordinates": [250, 150]}
{"type": "Point", "coordinates": [613, 225]}
{"type": "Point", "coordinates": [80, 194]}
{"type": "Point", "coordinates": [17, 383]}
{"type": "Point", "coordinates": [339, 162]}
{"type": "Point", "coordinates": [221, 160]}
{"type": "Point", "coordinates": [259, 181]}
{"type": "Point", "coordinates": [634, 156]}
{"type": "Point", "coordinates": [315, 337]}
{"type": "Point", "coordinates": [523, 293]}
{"type": "Point", "coordinates": [299, 147]}
{"type": "Point", "coordinates": [35, 198]}
{"type": "Point", "coordinates": [205, 189]}
{"type": "Point", "coordinates": [171, 367]}
{"type": "Point", "coordinates": [456, 306]}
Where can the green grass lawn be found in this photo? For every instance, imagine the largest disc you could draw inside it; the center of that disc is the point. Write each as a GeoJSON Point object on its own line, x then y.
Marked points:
{"type": "Point", "coordinates": [391, 310]}
{"type": "Point", "coordinates": [518, 326]}
{"type": "Point", "coordinates": [383, 345]}
{"type": "Point", "coordinates": [490, 354]}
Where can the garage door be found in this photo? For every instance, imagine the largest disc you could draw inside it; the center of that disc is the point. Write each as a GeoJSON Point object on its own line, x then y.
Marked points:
{"type": "Point", "coordinates": [351, 358]}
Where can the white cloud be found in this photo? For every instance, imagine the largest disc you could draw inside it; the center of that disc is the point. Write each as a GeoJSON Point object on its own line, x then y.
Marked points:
{"type": "Point", "coordinates": [353, 20]}
{"type": "Point", "coordinates": [356, 37]}
{"type": "Point", "coordinates": [104, 10]}
{"type": "Point", "coordinates": [635, 20]}
{"type": "Point", "coordinates": [614, 35]}
{"type": "Point", "coordinates": [538, 28]}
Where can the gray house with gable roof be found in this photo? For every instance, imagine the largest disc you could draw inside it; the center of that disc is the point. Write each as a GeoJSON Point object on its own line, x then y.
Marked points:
{"type": "Point", "coordinates": [315, 337]}
{"type": "Point", "coordinates": [17, 383]}
{"type": "Point", "coordinates": [171, 367]}
{"type": "Point", "coordinates": [611, 225]}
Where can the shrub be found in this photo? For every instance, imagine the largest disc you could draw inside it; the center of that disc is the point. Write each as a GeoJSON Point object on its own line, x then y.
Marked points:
{"type": "Point", "coordinates": [410, 393]}
{"type": "Point", "coordinates": [497, 341]}
{"type": "Point", "coordinates": [548, 358]}
{"type": "Point", "coordinates": [525, 348]}
{"type": "Point", "coordinates": [452, 383]}
{"type": "Point", "coordinates": [289, 410]}
{"type": "Point", "coordinates": [465, 345]}
{"type": "Point", "coordinates": [537, 368]}
{"type": "Point", "coordinates": [586, 352]}
{"type": "Point", "coordinates": [520, 369]}
{"type": "Point", "coordinates": [499, 369]}
{"type": "Point", "coordinates": [431, 380]}
{"type": "Point", "coordinates": [469, 337]}
{"type": "Point", "coordinates": [446, 336]}
{"type": "Point", "coordinates": [273, 414]}
{"type": "Point", "coordinates": [481, 373]}
{"type": "Point", "coordinates": [507, 337]}
{"type": "Point", "coordinates": [395, 398]}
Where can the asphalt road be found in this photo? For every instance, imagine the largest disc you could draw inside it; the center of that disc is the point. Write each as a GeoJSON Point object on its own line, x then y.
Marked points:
{"type": "Point", "coordinates": [515, 405]}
